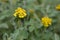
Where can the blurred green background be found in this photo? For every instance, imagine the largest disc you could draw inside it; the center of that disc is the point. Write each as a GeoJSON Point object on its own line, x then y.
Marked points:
{"type": "Point", "coordinates": [29, 28]}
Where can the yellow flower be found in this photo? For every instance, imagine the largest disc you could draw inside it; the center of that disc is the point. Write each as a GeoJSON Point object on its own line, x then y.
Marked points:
{"type": "Point", "coordinates": [46, 21]}
{"type": "Point", "coordinates": [19, 12]}
{"type": "Point", "coordinates": [58, 7]}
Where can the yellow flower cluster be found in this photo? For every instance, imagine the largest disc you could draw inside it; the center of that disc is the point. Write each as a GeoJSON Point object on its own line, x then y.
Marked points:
{"type": "Point", "coordinates": [58, 7]}
{"type": "Point", "coordinates": [46, 21]}
{"type": "Point", "coordinates": [19, 12]}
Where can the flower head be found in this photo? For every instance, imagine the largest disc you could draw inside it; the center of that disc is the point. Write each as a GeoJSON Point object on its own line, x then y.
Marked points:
{"type": "Point", "coordinates": [46, 21]}
{"type": "Point", "coordinates": [58, 7]}
{"type": "Point", "coordinates": [19, 12]}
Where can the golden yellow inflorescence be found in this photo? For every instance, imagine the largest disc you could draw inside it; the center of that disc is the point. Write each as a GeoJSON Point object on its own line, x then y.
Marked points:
{"type": "Point", "coordinates": [19, 12]}
{"type": "Point", "coordinates": [58, 7]}
{"type": "Point", "coordinates": [46, 21]}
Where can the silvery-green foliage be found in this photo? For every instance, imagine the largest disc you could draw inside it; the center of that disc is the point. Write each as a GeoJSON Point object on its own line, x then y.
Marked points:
{"type": "Point", "coordinates": [29, 28]}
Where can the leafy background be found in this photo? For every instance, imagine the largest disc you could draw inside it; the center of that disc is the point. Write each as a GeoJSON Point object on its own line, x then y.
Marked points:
{"type": "Point", "coordinates": [29, 28]}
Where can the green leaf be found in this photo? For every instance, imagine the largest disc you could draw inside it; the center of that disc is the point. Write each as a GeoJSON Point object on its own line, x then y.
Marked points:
{"type": "Point", "coordinates": [23, 34]}
{"type": "Point", "coordinates": [3, 25]}
{"type": "Point", "coordinates": [31, 28]}
{"type": "Point", "coordinates": [56, 36]}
